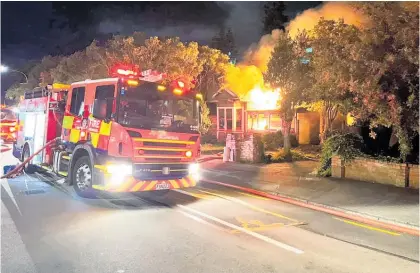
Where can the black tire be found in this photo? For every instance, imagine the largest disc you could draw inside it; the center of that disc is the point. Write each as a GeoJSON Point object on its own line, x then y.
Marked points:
{"type": "Point", "coordinates": [82, 178]}
{"type": "Point", "coordinates": [26, 153]}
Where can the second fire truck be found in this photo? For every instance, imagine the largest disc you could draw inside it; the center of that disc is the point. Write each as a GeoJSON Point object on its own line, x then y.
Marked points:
{"type": "Point", "coordinates": [120, 134]}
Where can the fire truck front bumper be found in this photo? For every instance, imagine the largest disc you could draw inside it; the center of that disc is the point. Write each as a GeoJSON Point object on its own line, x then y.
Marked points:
{"type": "Point", "coordinates": [122, 180]}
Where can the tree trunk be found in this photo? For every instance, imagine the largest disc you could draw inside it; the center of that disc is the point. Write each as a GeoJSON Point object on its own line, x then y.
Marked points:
{"type": "Point", "coordinates": [286, 141]}
{"type": "Point", "coordinates": [327, 116]}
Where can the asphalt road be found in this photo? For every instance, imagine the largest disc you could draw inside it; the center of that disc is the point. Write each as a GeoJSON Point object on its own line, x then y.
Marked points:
{"type": "Point", "coordinates": [47, 228]}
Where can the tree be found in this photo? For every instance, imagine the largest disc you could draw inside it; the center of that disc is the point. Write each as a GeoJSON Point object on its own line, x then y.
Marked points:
{"type": "Point", "coordinates": [274, 17]}
{"type": "Point", "coordinates": [287, 72]}
{"type": "Point", "coordinates": [39, 74]}
{"type": "Point", "coordinates": [81, 65]}
{"type": "Point", "coordinates": [225, 42]}
{"type": "Point", "coordinates": [331, 43]}
{"type": "Point", "coordinates": [384, 69]}
{"type": "Point", "coordinates": [215, 64]}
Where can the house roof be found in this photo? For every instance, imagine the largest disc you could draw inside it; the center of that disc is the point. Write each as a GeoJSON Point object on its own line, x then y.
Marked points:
{"type": "Point", "coordinates": [226, 91]}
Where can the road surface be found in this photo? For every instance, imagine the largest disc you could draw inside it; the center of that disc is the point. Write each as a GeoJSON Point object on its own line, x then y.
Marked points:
{"type": "Point", "coordinates": [47, 228]}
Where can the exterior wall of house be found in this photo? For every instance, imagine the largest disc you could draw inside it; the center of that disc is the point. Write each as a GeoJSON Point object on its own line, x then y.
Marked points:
{"type": "Point", "coordinates": [308, 128]}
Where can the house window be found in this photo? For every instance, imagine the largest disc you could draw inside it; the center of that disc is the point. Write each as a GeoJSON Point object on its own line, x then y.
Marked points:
{"type": "Point", "coordinates": [239, 119]}
{"type": "Point", "coordinates": [257, 121]}
{"type": "Point", "coordinates": [275, 122]}
{"type": "Point", "coordinates": [222, 119]}
{"type": "Point", "coordinates": [229, 118]}
{"type": "Point", "coordinates": [225, 118]}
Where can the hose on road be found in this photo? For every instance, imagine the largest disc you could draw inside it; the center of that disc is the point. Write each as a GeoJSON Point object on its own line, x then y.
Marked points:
{"type": "Point", "coordinates": [19, 167]}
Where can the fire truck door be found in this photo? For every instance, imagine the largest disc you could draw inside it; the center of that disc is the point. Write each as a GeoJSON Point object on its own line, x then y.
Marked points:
{"type": "Point", "coordinates": [33, 133]}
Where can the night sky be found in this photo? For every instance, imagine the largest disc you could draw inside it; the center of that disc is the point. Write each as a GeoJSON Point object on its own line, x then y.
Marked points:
{"type": "Point", "coordinates": [31, 30]}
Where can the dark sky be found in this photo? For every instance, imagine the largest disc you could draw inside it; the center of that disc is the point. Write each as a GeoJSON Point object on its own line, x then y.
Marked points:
{"type": "Point", "coordinates": [31, 30]}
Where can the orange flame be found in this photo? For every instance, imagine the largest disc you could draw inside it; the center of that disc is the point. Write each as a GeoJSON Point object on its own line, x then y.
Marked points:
{"type": "Point", "coordinates": [246, 78]}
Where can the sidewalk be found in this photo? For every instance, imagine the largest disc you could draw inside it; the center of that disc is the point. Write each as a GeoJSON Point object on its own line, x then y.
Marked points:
{"type": "Point", "coordinates": [296, 180]}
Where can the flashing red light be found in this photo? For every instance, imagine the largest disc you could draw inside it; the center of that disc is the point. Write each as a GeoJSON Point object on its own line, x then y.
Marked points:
{"type": "Point", "coordinates": [181, 84]}
{"type": "Point", "coordinates": [126, 72]}
{"type": "Point", "coordinates": [177, 91]}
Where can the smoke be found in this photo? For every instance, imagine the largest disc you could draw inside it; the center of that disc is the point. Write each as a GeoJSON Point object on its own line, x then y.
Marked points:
{"type": "Point", "coordinates": [249, 73]}
{"type": "Point", "coordinates": [329, 11]}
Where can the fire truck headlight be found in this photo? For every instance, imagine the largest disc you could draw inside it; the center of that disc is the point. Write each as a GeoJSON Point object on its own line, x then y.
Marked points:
{"type": "Point", "coordinates": [12, 129]}
{"type": "Point", "coordinates": [194, 171]}
{"type": "Point", "coordinates": [120, 169]}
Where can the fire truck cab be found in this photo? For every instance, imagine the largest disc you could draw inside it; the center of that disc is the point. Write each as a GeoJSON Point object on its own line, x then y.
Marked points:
{"type": "Point", "coordinates": [118, 134]}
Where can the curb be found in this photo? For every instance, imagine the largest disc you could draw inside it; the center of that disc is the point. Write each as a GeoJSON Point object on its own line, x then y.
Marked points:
{"type": "Point", "coordinates": [323, 208]}
{"type": "Point", "coordinates": [208, 159]}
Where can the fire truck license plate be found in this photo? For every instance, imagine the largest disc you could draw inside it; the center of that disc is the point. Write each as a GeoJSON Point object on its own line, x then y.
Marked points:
{"type": "Point", "coordinates": [162, 186]}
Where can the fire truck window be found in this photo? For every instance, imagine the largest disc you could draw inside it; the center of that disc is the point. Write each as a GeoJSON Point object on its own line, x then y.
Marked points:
{"type": "Point", "coordinates": [104, 92]}
{"type": "Point", "coordinates": [77, 99]}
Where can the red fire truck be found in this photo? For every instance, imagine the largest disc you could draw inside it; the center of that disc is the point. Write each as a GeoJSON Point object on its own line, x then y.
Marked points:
{"type": "Point", "coordinates": [120, 134]}
{"type": "Point", "coordinates": [7, 124]}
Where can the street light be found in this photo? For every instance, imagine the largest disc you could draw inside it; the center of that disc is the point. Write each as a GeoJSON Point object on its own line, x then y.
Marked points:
{"type": "Point", "coordinates": [5, 69]}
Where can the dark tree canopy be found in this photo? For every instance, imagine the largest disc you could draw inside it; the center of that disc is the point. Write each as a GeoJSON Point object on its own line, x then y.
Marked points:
{"type": "Point", "coordinates": [274, 16]}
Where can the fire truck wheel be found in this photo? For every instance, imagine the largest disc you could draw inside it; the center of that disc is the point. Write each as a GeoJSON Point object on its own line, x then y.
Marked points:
{"type": "Point", "coordinates": [82, 177]}
{"type": "Point", "coordinates": [26, 153]}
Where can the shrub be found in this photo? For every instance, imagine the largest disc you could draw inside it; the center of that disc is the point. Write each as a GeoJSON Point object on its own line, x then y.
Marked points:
{"type": "Point", "coordinates": [280, 156]}
{"type": "Point", "coordinates": [273, 141]}
{"type": "Point", "coordinates": [208, 138]}
{"type": "Point", "coordinates": [346, 146]}
{"type": "Point", "coordinates": [293, 141]}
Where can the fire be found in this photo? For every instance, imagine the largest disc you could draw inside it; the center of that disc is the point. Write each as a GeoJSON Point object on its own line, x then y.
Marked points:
{"type": "Point", "coordinates": [246, 79]}
{"type": "Point", "coordinates": [263, 99]}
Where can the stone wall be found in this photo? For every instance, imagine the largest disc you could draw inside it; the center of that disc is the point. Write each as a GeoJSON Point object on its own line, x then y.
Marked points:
{"type": "Point", "coordinates": [376, 171]}
{"type": "Point", "coordinates": [413, 176]}
{"type": "Point", "coordinates": [249, 148]}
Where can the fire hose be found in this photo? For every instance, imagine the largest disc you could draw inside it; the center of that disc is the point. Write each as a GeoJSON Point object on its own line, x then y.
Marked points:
{"type": "Point", "coordinates": [19, 167]}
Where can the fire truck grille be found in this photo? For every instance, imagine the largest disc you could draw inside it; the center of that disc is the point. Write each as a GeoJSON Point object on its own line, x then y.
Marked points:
{"type": "Point", "coordinates": [156, 171]}
{"type": "Point", "coordinates": [147, 152]}
{"type": "Point", "coordinates": [163, 144]}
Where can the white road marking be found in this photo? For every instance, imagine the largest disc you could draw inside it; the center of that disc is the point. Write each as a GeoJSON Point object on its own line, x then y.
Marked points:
{"type": "Point", "coordinates": [251, 233]}
{"type": "Point", "coordinates": [6, 187]}
{"type": "Point", "coordinates": [198, 219]}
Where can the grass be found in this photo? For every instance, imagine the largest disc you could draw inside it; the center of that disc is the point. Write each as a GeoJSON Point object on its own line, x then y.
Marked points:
{"type": "Point", "coordinates": [303, 152]}
{"type": "Point", "coordinates": [210, 149]}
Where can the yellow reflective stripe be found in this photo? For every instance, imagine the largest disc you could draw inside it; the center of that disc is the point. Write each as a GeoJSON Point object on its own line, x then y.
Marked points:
{"type": "Point", "coordinates": [98, 187]}
{"type": "Point", "coordinates": [68, 122]}
{"type": "Point", "coordinates": [74, 135]}
{"type": "Point", "coordinates": [101, 167]}
{"type": "Point", "coordinates": [105, 129]}
{"type": "Point", "coordinates": [184, 182]}
{"type": "Point", "coordinates": [193, 182]}
{"type": "Point", "coordinates": [162, 149]}
{"type": "Point", "coordinates": [139, 139]}
{"type": "Point", "coordinates": [7, 124]}
{"type": "Point", "coordinates": [94, 138]}
{"type": "Point", "coordinates": [174, 184]}
{"type": "Point", "coordinates": [150, 186]}
{"type": "Point", "coordinates": [137, 186]}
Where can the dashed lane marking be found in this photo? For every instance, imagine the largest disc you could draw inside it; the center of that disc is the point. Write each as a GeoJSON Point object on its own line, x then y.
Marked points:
{"type": "Point", "coordinates": [367, 227]}
{"type": "Point", "coordinates": [251, 233]}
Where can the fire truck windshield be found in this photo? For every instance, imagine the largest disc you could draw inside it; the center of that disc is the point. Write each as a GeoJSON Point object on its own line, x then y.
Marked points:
{"type": "Point", "coordinates": [147, 108]}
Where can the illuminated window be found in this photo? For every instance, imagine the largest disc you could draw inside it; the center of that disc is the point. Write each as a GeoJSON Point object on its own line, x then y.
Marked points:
{"type": "Point", "coordinates": [275, 122]}
{"type": "Point", "coordinates": [238, 119]}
